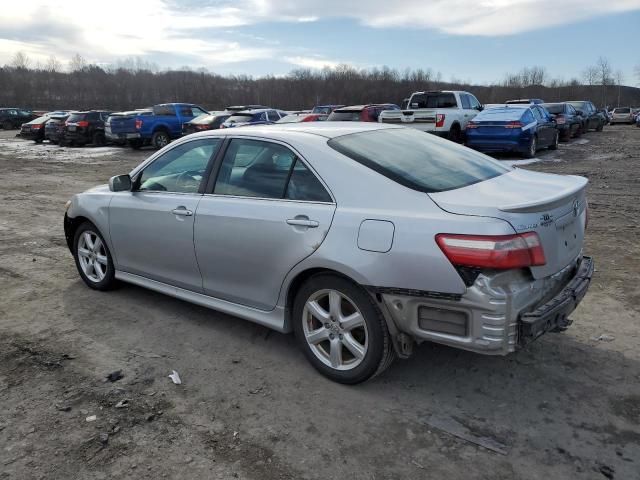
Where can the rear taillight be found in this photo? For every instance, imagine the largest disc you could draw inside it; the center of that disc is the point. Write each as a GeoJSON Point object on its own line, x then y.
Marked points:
{"type": "Point", "coordinates": [472, 125]}
{"type": "Point", "coordinates": [440, 120]}
{"type": "Point", "coordinates": [36, 127]}
{"type": "Point", "coordinates": [513, 125]}
{"type": "Point", "coordinates": [138, 124]}
{"type": "Point", "coordinates": [498, 252]}
{"type": "Point", "coordinates": [83, 123]}
{"type": "Point", "coordinates": [560, 120]}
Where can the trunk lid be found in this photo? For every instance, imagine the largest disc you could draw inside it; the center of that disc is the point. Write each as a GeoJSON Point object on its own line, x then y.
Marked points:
{"type": "Point", "coordinates": [553, 206]}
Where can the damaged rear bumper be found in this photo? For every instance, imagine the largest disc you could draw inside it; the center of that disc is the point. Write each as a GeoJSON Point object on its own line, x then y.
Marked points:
{"type": "Point", "coordinates": [554, 314]}
{"type": "Point", "coordinates": [497, 314]}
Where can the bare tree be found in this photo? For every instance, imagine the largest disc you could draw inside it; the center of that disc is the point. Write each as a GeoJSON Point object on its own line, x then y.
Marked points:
{"type": "Point", "coordinates": [20, 60]}
{"type": "Point", "coordinates": [77, 63]}
{"type": "Point", "coordinates": [605, 71]}
{"type": "Point", "coordinates": [53, 64]}
{"type": "Point", "coordinates": [590, 75]}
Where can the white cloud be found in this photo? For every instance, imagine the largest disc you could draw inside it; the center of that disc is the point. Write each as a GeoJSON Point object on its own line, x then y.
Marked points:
{"type": "Point", "coordinates": [312, 62]}
{"type": "Point", "coordinates": [198, 32]}
{"type": "Point", "coordinates": [462, 17]}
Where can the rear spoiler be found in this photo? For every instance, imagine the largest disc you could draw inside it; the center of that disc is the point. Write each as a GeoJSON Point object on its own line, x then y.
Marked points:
{"type": "Point", "coordinates": [548, 203]}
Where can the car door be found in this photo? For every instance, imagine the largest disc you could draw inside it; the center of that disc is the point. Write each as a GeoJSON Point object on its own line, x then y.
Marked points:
{"type": "Point", "coordinates": [593, 117]}
{"type": "Point", "coordinates": [266, 212]}
{"type": "Point", "coordinates": [466, 110]}
{"type": "Point", "coordinates": [151, 227]}
{"type": "Point", "coordinates": [542, 129]}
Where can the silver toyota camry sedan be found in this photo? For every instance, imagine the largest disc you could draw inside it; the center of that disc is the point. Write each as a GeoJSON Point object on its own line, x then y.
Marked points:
{"type": "Point", "coordinates": [362, 239]}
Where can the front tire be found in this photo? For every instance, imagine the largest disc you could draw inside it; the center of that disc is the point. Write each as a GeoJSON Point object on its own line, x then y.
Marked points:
{"type": "Point", "coordinates": [554, 145]}
{"type": "Point", "coordinates": [93, 259]}
{"type": "Point", "coordinates": [340, 330]}
{"type": "Point", "coordinates": [7, 125]}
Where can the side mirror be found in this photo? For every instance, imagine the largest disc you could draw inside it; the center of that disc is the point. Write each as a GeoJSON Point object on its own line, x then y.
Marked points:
{"type": "Point", "coordinates": [480, 108]}
{"type": "Point", "coordinates": [579, 112]}
{"type": "Point", "coordinates": [552, 117]}
{"type": "Point", "coordinates": [120, 183]}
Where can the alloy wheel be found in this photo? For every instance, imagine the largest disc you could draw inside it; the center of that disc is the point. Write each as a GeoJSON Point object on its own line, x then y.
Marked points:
{"type": "Point", "coordinates": [335, 329]}
{"type": "Point", "coordinates": [92, 256]}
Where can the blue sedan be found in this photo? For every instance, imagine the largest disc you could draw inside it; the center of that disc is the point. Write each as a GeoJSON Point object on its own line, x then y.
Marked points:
{"type": "Point", "coordinates": [514, 128]}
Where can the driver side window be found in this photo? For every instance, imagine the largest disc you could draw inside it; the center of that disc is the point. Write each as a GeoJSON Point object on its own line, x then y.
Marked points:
{"type": "Point", "coordinates": [181, 169]}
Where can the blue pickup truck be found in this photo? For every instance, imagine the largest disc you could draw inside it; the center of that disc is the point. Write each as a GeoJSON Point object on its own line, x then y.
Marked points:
{"type": "Point", "coordinates": [156, 126]}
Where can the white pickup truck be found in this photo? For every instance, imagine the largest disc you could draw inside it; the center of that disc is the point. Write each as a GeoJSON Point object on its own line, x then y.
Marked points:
{"type": "Point", "coordinates": [443, 112]}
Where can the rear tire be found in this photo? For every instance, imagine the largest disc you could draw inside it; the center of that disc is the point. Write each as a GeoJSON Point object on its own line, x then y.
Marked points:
{"type": "Point", "coordinates": [599, 127]}
{"type": "Point", "coordinates": [135, 144]}
{"type": "Point", "coordinates": [98, 139]}
{"type": "Point", "coordinates": [6, 125]}
{"type": "Point", "coordinates": [340, 329]}
{"type": "Point", "coordinates": [533, 148]}
{"type": "Point", "coordinates": [566, 135]}
{"type": "Point", "coordinates": [160, 139]}
{"type": "Point", "coordinates": [554, 145]}
{"type": "Point", "coordinates": [455, 133]}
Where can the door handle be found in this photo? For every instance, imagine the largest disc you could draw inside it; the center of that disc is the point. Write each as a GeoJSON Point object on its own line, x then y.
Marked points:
{"type": "Point", "coordinates": [182, 211]}
{"type": "Point", "coordinates": [301, 222]}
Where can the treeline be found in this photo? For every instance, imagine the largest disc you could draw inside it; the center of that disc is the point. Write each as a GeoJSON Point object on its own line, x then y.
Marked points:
{"type": "Point", "coordinates": [121, 88]}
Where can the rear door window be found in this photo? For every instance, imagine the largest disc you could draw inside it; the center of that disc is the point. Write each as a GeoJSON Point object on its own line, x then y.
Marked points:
{"type": "Point", "coordinates": [255, 168]}
{"type": "Point", "coordinates": [167, 110]}
{"type": "Point", "coordinates": [466, 103]}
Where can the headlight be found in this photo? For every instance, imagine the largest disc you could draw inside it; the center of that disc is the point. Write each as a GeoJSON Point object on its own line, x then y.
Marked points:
{"type": "Point", "coordinates": [67, 205]}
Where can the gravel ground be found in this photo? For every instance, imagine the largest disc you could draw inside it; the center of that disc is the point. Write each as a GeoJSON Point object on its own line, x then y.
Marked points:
{"type": "Point", "coordinates": [250, 407]}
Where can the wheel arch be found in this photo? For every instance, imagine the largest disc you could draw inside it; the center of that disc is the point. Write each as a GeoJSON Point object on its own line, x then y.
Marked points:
{"type": "Point", "coordinates": [296, 283]}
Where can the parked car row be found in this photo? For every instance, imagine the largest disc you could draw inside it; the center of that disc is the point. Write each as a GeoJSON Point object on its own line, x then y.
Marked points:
{"type": "Point", "coordinates": [519, 125]}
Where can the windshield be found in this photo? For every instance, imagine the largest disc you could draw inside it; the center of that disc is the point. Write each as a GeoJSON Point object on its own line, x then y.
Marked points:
{"type": "Point", "coordinates": [622, 110]}
{"type": "Point", "coordinates": [418, 161]}
{"type": "Point", "coordinates": [577, 105]}
{"type": "Point", "coordinates": [326, 110]}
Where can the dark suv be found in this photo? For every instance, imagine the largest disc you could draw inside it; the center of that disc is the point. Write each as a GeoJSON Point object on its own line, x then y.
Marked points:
{"type": "Point", "coordinates": [591, 117]}
{"type": "Point", "coordinates": [82, 128]}
{"type": "Point", "coordinates": [14, 117]}
{"type": "Point", "coordinates": [360, 113]}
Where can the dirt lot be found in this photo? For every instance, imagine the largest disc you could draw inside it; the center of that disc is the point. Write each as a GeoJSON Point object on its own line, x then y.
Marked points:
{"type": "Point", "coordinates": [250, 406]}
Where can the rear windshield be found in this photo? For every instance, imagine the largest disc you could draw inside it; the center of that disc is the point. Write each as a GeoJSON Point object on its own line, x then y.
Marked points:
{"type": "Point", "coordinates": [76, 117]}
{"type": "Point", "coordinates": [292, 119]}
{"type": "Point", "coordinates": [500, 114]}
{"type": "Point", "coordinates": [241, 117]}
{"type": "Point", "coordinates": [622, 110]}
{"type": "Point", "coordinates": [433, 100]}
{"type": "Point", "coordinates": [206, 119]}
{"type": "Point", "coordinates": [351, 116]}
{"type": "Point", "coordinates": [554, 108]}
{"type": "Point", "coordinates": [38, 121]}
{"type": "Point", "coordinates": [326, 110]}
{"type": "Point", "coordinates": [418, 161]}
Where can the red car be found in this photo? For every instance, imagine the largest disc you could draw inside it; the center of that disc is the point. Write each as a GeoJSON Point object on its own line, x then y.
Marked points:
{"type": "Point", "coordinates": [360, 113]}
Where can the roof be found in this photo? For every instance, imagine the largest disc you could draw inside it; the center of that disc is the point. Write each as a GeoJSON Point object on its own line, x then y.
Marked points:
{"type": "Point", "coordinates": [358, 108]}
{"type": "Point", "coordinates": [323, 129]}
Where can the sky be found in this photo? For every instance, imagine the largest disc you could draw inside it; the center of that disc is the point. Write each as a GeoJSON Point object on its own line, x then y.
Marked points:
{"type": "Point", "coordinates": [470, 40]}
